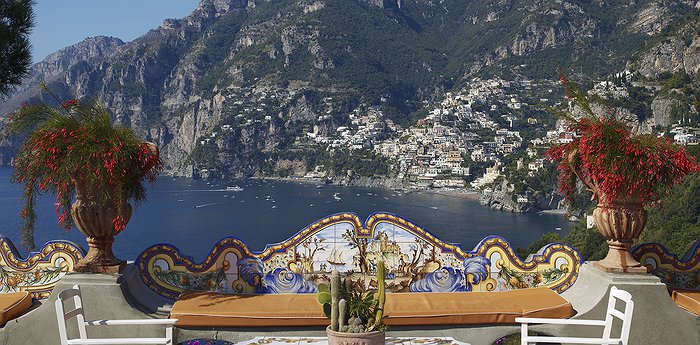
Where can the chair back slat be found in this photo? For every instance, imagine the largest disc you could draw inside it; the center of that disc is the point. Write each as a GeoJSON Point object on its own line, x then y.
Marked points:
{"type": "Point", "coordinates": [66, 294]}
{"type": "Point", "coordinates": [73, 313]}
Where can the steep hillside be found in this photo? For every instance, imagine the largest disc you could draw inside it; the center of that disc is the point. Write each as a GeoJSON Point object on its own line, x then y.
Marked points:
{"type": "Point", "coordinates": [241, 83]}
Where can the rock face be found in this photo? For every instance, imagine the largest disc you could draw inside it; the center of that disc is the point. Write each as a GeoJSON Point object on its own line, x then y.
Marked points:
{"type": "Point", "coordinates": [672, 55]}
{"type": "Point", "coordinates": [675, 54]}
{"type": "Point", "coordinates": [271, 71]}
{"type": "Point", "coordinates": [500, 198]}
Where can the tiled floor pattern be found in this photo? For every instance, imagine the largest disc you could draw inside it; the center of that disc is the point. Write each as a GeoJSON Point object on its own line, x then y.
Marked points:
{"type": "Point", "coordinates": [322, 341]}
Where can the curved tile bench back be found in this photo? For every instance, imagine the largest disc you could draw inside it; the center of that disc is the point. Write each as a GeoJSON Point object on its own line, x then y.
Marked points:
{"type": "Point", "coordinates": [677, 273]}
{"type": "Point", "coordinates": [416, 261]}
{"type": "Point", "coordinates": [39, 273]}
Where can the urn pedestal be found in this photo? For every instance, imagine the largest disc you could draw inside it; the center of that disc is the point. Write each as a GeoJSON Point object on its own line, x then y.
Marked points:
{"type": "Point", "coordinates": [620, 222]}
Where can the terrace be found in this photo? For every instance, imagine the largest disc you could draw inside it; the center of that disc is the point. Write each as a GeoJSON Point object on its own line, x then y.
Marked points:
{"type": "Point", "coordinates": [488, 280]}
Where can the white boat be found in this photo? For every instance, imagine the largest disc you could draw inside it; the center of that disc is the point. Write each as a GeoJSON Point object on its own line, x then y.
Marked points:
{"type": "Point", "coordinates": [233, 189]}
{"type": "Point", "coordinates": [335, 258]}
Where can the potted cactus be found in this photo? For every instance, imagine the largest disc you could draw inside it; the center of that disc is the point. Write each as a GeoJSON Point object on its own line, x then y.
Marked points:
{"type": "Point", "coordinates": [357, 317]}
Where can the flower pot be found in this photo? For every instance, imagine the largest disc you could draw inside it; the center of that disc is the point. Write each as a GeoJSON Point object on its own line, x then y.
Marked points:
{"type": "Point", "coordinates": [344, 338]}
{"type": "Point", "coordinates": [93, 216]}
{"type": "Point", "coordinates": [620, 222]}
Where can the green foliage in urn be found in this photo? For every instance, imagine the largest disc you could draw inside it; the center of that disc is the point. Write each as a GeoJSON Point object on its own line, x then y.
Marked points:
{"type": "Point", "coordinates": [73, 142]}
{"type": "Point", "coordinates": [612, 160]}
{"type": "Point", "coordinates": [353, 311]}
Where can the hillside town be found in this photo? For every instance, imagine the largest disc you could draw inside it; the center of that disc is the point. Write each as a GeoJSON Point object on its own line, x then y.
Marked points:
{"type": "Point", "coordinates": [468, 138]}
{"type": "Point", "coordinates": [465, 141]}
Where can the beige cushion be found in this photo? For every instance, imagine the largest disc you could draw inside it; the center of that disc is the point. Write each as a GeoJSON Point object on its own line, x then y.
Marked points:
{"type": "Point", "coordinates": [208, 309]}
{"type": "Point", "coordinates": [688, 300]}
{"type": "Point", "coordinates": [13, 304]}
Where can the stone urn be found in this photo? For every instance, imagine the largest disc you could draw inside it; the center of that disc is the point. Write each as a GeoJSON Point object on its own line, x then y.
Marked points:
{"type": "Point", "coordinates": [345, 338]}
{"type": "Point", "coordinates": [620, 221]}
{"type": "Point", "coordinates": [93, 216]}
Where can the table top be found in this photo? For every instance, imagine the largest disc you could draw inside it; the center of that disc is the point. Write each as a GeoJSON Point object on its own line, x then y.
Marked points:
{"type": "Point", "coordinates": [273, 340]}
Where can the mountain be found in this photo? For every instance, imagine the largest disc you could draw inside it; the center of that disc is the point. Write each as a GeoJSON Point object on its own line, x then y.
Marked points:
{"type": "Point", "coordinates": [236, 86]}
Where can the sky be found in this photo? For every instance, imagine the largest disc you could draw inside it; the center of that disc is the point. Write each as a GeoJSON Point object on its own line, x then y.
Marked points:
{"type": "Point", "coordinates": [60, 23]}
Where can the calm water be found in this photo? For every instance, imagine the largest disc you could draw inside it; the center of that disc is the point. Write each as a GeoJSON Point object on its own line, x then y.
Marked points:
{"type": "Point", "coordinates": [194, 215]}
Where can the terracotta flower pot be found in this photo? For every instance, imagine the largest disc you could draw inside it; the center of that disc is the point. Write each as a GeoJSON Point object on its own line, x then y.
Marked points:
{"type": "Point", "coordinates": [344, 338]}
{"type": "Point", "coordinates": [94, 216]}
{"type": "Point", "coordinates": [620, 222]}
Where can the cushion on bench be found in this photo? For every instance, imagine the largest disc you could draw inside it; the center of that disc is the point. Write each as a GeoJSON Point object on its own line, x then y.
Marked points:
{"type": "Point", "coordinates": [13, 304]}
{"type": "Point", "coordinates": [688, 300]}
{"type": "Point", "coordinates": [202, 309]}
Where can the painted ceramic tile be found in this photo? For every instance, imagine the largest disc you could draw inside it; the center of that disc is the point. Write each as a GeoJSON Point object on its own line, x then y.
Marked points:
{"type": "Point", "coordinates": [677, 273]}
{"type": "Point", "coordinates": [415, 260]}
{"type": "Point", "coordinates": [42, 269]}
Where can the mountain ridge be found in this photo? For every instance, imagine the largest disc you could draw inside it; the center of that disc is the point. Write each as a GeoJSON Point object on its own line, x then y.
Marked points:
{"type": "Point", "coordinates": [178, 84]}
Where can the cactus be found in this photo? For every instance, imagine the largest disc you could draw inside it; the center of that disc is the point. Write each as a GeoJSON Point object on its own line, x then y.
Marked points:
{"type": "Point", "coordinates": [335, 297]}
{"type": "Point", "coordinates": [379, 299]}
{"type": "Point", "coordinates": [365, 310]}
{"type": "Point", "coordinates": [342, 308]}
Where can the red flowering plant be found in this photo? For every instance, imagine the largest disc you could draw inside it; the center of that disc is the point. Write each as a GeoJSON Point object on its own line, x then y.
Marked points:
{"type": "Point", "coordinates": [612, 161]}
{"type": "Point", "coordinates": [77, 139]}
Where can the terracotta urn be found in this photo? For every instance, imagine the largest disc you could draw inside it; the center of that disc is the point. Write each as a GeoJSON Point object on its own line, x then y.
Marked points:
{"type": "Point", "coordinates": [344, 338]}
{"type": "Point", "coordinates": [93, 216]}
{"type": "Point", "coordinates": [620, 221]}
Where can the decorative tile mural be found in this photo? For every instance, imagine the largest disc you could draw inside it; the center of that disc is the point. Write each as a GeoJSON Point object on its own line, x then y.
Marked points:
{"type": "Point", "coordinates": [683, 273]}
{"type": "Point", "coordinates": [416, 261]}
{"type": "Point", "coordinates": [40, 272]}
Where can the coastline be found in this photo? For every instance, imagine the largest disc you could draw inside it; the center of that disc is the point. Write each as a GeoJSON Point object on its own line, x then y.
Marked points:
{"type": "Point", "coordinates": [464, 193]}
{"type": "Point", "coordinates": [562, 211]}
{"type": "Point", "coordinates": [468, 194]}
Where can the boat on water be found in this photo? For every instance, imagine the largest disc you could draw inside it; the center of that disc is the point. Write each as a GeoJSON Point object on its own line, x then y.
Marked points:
{"type": "Point", "coordinates": [335, 258]}
{"type": "Point", "coordinates": [336, 196]}
{"type": "Point", "coordinates": [319, 186]}
{"type": "Point", "coordinates": [233, 189]}
{"type": "Point", "coordinates": [557, 229]}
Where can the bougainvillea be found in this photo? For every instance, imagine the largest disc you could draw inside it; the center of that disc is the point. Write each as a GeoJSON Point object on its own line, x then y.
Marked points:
{"type": "Point", "coordinates": [77, 140]}
{"type": "Point", "coordinates": [613, 162]}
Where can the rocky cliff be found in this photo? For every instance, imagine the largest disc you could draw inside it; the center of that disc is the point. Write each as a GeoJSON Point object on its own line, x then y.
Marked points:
{"type": "Point", "coordinates": [669, 66]}
{"type": "Point", "coordinates": [500, 198]}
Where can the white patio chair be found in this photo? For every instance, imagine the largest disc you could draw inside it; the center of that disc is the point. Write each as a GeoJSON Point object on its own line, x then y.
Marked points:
{"type": "Point", "coordinates": [605, 339]}
{"type": "Point", "coordinates": [78, 313]}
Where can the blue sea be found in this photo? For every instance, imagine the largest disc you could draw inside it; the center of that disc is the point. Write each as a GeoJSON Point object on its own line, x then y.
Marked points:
{"type": "Point", "coordinates": [193, 215]}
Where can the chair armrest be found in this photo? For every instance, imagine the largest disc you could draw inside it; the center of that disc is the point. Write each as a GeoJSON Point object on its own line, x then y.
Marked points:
{"type": "Point", "coordinates": [131, 322]}
{"type": "Point", "coordinates": [560, 321]}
